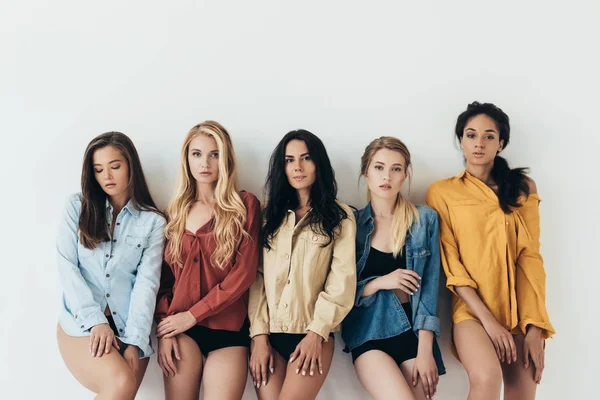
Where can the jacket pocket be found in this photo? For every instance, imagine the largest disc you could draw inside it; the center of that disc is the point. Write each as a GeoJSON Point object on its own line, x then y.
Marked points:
{"type": "Point", "coordinates": [135, 248]}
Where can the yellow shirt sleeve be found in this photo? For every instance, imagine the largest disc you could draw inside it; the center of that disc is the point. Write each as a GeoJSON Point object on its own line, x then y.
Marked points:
{"type": "Point", "coordinates": [530, 273]}
{"type": "Point", "coordinates": [456, 273]}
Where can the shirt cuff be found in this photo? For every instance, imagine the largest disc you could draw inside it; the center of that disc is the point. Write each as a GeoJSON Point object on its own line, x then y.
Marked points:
{"type": "Point", "coordinates": [454, 281]}
{"type": "Point", "coordinates": [320, 329]}
{"type": "Point", "coordinates": [90, 321]}
{"type": "Point", "coordinates": [427, 323]}
{"type": "Point", "coordinates": [201, 311]}
{"type": "Point", "coordinates": [259, 328]}
{"type": "Point", "coordinates": [546, 327]}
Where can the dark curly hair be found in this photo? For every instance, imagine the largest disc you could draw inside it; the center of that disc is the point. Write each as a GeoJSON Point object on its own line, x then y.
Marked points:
{"type": "Point", "coordinates": [326, 214]}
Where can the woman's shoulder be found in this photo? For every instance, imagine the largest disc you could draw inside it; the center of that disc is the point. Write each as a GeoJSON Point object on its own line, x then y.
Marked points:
{"type": "Point", "coordinates": [249, 198]}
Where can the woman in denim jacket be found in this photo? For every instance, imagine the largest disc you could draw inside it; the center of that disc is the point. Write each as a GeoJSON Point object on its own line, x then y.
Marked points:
{"type": "Point", "coordinates": [398, 267]}
{"type": "Point", "coordinates": [109, 248]}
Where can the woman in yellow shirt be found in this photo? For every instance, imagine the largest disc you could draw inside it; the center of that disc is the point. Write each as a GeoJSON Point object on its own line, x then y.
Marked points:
{"type": "Point", "coordinates": [489, 236]}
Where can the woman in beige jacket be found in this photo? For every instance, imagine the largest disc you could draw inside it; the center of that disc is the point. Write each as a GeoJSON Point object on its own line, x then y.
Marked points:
{"type": "Point", "coordinates": [307, 280]}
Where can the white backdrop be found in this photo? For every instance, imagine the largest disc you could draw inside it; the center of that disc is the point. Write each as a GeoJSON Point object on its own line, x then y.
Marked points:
{"type": "Point", "coordinates": [347, 70]}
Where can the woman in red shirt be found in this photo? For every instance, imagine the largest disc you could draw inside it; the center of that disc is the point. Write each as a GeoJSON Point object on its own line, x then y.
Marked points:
{"type": "Point", "coordinates": [210, 262]}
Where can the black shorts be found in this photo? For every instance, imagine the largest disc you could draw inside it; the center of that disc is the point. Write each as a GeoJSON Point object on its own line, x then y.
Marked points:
{"type": "Point", "coordinates": [401, 348]}
{"type": "Point", "coordinates": [214, 339]}
{"type": "Point", "coordinates": [111, 322]}
{"type": "Point", "coordinates": [285, 343]}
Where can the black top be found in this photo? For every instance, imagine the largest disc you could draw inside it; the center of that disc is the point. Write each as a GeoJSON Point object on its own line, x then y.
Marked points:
{"type": "Point", "coordinates": [380, 263]}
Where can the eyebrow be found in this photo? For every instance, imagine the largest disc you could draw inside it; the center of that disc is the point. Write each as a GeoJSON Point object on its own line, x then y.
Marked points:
{"type": "Point", "coordinates": [487, 130]}
{"type": "Point", "coordinates": [113, 161]}
{"type": "Point", "coordinates": [382, 163]}
{"type": "Point", "coordinates": [212, 151]}
{"type": "Point", "coordinates": [301, 155]}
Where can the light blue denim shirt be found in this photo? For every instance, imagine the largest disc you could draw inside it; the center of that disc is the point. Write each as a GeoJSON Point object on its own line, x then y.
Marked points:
{"type": "Point", "coordinates": [123, 273]}
{"type": "Point", "coordinates": [380, 315]}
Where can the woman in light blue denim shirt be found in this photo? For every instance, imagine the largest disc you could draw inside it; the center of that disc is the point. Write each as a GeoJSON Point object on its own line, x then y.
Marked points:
{"type": "Point", "coordinates": [109, 247]}
{"type": "Point", "coordinates": [398, 267]}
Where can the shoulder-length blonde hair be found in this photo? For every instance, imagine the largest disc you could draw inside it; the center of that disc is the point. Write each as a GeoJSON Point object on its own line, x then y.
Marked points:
{"type": "Point", "coordinates": [405, 213]}
{"type": "Point", "coordinates": [229, 209]}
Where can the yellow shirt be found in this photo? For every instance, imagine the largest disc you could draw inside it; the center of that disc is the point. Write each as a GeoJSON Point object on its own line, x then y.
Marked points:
{"type": "Point", "coordinates": [301, 285]}
{"type": "Point", "coordinates": [495, 253]}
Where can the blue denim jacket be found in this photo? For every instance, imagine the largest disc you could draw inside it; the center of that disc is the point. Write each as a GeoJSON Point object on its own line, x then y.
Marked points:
{"type": "Point", "coordinates": [123, 273]}
{"type": "Point", "coordinates": [380, 315]}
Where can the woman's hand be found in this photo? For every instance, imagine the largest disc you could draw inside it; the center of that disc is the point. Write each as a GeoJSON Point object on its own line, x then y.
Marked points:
{"type": "Point", "coordinates": [175, 324]}
{"type": "Point", "coordinates": [503, 341]}
{"type": "Point", "coordinates": [261, 360]}
{"type": "Point", "coordinates": [131, 355]}
{"type": "Point", "coordinates": [309, 353]}
{"type": "Point", "coordinates": [102, 338]}
{"type": "Point", "coordinates": [167, 347]}
{"type": "Point", "coordinates": [403, 279]}
{"type": "Point", "coordinates": [533, 347]}
{"type": "Point", "coordinates": [426, 369]}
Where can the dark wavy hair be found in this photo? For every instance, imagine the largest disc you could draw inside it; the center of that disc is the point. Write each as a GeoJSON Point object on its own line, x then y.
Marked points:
{"type": "Point", "coordinates": [326, 214]}
{"type": "Point", "coordinates": [93, 226]}
{"type": "Point", "coordinates": [512, 183]}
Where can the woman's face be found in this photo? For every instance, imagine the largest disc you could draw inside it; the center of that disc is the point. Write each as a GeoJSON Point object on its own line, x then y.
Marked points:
{"type": "Point", "coordinates": [481, 140]}
{"type": "Point", "coordinates": [203, 159]}
{"type": "Point", "coordinates": [300, 169]}
{"type": "Point", "coordinates": [386, 174]}
{"type": "Point", "coordinates": [111, 171]}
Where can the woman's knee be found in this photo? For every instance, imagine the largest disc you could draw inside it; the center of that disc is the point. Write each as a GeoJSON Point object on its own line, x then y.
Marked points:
{"type": "Point", "coordinates": [122, 381]}
{"type": "Point", "coordinates": [486, 378]}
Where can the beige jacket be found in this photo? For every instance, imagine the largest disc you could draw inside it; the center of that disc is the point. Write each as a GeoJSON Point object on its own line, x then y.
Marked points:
{"type": "Point", "coordinates": [301, 286]}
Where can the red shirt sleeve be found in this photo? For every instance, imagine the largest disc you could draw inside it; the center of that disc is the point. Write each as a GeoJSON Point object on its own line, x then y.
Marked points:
{"type": "Point", "coordinates": [243, 271]}
{"type": "Point", "coordinates": [165, 292]}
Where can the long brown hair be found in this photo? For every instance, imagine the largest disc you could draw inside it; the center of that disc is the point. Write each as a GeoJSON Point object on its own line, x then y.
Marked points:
{"type": "Point", "coordinates": [405, 212]}
{"type": "Point", "coordinates": [93, 226]}
{"type": "Point", "coordinates": [229, 211]}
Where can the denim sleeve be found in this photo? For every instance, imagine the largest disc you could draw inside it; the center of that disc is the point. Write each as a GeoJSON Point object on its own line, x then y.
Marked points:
{"type": "Point", "coordinates": [361, 301]}
{"type": "Point", "coordinates": [145, 289]}
{"type": "Point", "coordinates": [78, 295]}
{"type": "Point", "coordinates": [426, 316]}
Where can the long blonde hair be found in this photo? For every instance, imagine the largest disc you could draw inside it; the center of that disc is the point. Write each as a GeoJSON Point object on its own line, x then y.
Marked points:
{"type": "Point", "coordinates": [405, 212]}
{"type": "Point", "coordinates": [229, 209]}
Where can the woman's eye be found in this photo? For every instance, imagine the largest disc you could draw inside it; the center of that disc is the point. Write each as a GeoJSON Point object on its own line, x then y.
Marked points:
{"type": "Point", "coordinates": [378, 167]}
{"type": "Point", "coordinates": [470, 135]}
{"type": "Point", "coordinates": [306, 158]}
{"type": "Point", "coordinates": [214, 155]}
{"type": "Point", "coordinates": [97, 171]}
{"type": "Point", "coordinates": [397, 169]}
{"type": "Point", "coordinates": [116, 167]}
{"type": "Point", "coordinates": [195, 154]}
{"type": "Point", "coordinates": [288, 160]}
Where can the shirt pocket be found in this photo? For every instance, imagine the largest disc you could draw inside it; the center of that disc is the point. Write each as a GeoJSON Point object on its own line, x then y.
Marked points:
{"type": "Point", "coordinates": [135, 246]}
{"type": "Point", "coordinates": [316, 257]}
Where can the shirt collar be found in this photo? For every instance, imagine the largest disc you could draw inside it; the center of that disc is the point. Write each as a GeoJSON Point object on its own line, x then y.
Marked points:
{"type": "Point", "coordinates": [129, 207]}
{"type": "Point", "coordinates": [366, 215]}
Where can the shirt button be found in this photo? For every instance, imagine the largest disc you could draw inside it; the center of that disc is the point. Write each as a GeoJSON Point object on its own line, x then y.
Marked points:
{"type": "Point", "coordinates": [195, 259]}
{"type": "Point", "coordinates": [107, 294]}
{"type": "Point", "coordinates": [118, 223]}
{"type": "Point", "coordinates": [82, 326]}
{"type": "Point", "coordinates": [288, 281]}
{"type": "Point", "coordinates": [108, 275]}
{"type": "Point", "coordinates": [107, 255]}
{"type": "Point", "coordinates": [284, 305]}
{"type": "Point", "coordinates": [114, 240]}
{"type": "Point", "coordinates": [114, 313]}
{"type": "Point", "coordinates": [506, 222]}
{"type": "Point", "coordinates": [120, 330]}
{"type": "Point", "coordinates": [139, 245]}
{"type": "Point", "coordinates": [315, 238]}
{"type": "Point", "coordinates": [284, 328]}
{"type": "Point", "coordinates": [287, 256]}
